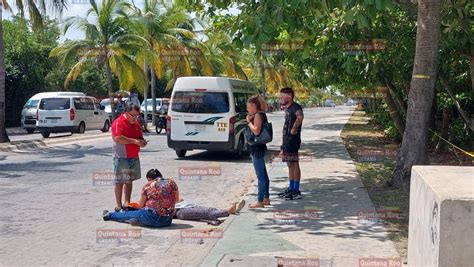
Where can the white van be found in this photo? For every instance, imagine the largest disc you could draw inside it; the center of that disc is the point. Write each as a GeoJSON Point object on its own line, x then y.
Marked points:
{"type": "Point", "coordinates": [28, 113]}
{"type": "Point", "coordinates": [62, 113]}
{"type": "Point", "coordinates": [208, 113]}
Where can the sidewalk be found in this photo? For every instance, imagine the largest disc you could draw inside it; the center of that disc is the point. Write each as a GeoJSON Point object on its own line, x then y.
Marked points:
{"type": "Point", "coordinates": [330, 184]}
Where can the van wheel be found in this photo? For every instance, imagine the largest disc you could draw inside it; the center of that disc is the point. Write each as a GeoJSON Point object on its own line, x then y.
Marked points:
{"type": "Point", "coordinates": [82, 128]}
{"type": "Point", "coordinates": [45, 134]}
{"type": "Point", "coordinates": [181, 153]}
{"type": "Point", "coordinates": [30, 131]}
{"type": "Point", "coordinates": [106, 126]}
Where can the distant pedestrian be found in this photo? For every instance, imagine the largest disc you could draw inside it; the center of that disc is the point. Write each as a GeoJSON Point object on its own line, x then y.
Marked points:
{"type": "Point", "coordinates": [119, 105]}
{"type": "Point", "coordinates": [128, 139]}
{"type": "Point", "coordinates": [291, 142]}
{"type": "Point", "coordinates": [133, 99]}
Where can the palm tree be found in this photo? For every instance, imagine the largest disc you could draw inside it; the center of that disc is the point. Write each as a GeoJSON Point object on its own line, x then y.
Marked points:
{"type": "Point", "coordinates": [166, 28]}
{"type": "Point", "coordinates": [109, 42]}
{"type": "Point", "coordinates": [36, 13]}
{"type": "Point", "coordinates": [222, 55]}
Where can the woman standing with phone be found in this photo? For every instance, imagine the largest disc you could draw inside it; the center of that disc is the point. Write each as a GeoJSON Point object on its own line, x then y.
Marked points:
{"type": "Point", "coordinates": [256, 117]}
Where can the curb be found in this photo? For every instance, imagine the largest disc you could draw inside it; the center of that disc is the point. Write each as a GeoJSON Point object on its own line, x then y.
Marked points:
{"type": "Point", "coordinates": [33, 144]}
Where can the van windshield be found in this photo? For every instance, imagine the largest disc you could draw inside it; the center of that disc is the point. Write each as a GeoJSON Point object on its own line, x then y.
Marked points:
{"type": "Point", "coordinates": [32, 103]}
{"type": "Point", "coordinates": [200, 102]}
{"type": "Point", "coordinates": [54, 103]}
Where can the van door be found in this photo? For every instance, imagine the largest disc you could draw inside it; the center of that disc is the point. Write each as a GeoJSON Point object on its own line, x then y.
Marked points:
{"type": "Point", "coordinates": [54, 112]}
{"type": "Point", "coordinates": [85, 112]}
{"type": "Point", "coordinates": [200, 115]}
{"type": "Point", "coordinates": [99, 117]}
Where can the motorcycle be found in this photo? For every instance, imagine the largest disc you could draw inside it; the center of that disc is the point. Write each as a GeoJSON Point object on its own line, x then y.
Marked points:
{"type": "Point", "coordinates": [160, 121]}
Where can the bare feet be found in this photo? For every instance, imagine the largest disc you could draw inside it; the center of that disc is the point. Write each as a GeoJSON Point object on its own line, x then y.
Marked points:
{"type": "Point", "coordinates": [266, 202]}
{"type": "Point", "coordinates": [256, 205]}
{"type": "Point", "coordinates": [232, 209]}
{"type": "Point", "coordinates": [240, 206]}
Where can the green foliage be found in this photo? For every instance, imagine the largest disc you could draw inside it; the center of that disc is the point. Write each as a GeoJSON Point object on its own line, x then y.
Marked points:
{"type": "Point", "coordinates": [383, 119]}
{"type": "Point", "coordinates": [29, 70]}
{"type": "Point", "coordinates": [26, 63]}
{"type": "Point", "coordinates": [460, 134]}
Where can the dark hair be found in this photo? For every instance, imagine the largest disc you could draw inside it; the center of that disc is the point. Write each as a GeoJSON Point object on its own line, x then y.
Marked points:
{"type": "Point", "coordinates": [288, 90]}
{"type": "Point", "coordinates": [132, 106]}
{"type": "Point", "coordinates": [153, 174]}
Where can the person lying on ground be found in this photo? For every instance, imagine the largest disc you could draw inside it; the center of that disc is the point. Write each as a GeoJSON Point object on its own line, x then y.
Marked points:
{"type": "Point", "coordinates": [185, 210]}
{"type": "Point", "coordinates": [156, 206]}
{"type": "Point", "coordinates": [191, 211]}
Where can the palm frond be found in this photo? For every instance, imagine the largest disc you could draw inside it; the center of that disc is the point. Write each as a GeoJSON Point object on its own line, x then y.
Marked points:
{"type": "Point", "coordinates": [75, 71]}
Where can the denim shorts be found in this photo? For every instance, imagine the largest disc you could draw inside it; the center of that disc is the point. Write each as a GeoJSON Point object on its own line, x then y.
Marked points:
{"type": "Point", "coordinates": [126, 170]}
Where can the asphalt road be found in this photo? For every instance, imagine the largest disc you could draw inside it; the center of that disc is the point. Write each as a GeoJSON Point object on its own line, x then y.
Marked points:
{"type": "Point", "coordinates": [53, 199]}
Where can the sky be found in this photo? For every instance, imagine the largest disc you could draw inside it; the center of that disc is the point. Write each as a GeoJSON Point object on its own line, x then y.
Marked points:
{"type": "Point", "coordinates": [80, 8]}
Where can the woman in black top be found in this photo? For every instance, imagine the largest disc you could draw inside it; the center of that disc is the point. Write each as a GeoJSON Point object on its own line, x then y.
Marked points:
{"type": "Point", "coordinates": [256, 107]}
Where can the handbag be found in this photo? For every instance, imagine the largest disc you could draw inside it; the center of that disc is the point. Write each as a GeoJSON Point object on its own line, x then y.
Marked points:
{"type": "Point", "coordinates": [265, 136]}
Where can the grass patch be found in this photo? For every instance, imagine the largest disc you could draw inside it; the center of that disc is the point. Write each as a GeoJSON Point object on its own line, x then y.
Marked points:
{"type": "Point", "coordinates": [374, 156]}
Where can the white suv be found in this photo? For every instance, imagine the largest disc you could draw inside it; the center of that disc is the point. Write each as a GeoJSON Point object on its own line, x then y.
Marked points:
{"type": "Point", "coordinates": [72, 114]}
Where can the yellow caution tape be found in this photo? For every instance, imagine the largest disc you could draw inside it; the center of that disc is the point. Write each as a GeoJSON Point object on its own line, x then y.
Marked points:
{"type": "Point", "coordinates": [470, 154]}
{"type": "Point", "coordinates": [421, 76]}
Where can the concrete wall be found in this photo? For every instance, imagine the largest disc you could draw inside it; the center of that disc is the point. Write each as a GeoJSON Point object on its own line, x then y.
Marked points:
{"type": "Point", "coordinates": [441, 223]}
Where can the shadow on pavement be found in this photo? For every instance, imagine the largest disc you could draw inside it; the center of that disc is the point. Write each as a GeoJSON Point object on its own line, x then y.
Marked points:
{"type": "Point", "coordinates": [215, 156]}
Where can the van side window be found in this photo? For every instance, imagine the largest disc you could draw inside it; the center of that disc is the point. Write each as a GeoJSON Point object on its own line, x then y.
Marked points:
{"type": "Point", "coordinates": [96, 103]}
{"type": "Point", "coordinates": [240, 100]}
{"type": "Point", "coordinates": [83, 103]}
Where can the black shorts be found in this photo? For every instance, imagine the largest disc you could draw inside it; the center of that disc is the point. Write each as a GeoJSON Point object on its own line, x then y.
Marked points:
{"type": "Point", "coordinates": [290, 149]}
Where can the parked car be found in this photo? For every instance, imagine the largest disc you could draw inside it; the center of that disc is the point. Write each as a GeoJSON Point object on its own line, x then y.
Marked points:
{"type": "Point", "coordinates": [329, 103]}
{"type": "Point", "coordinates": [28, 113]}
{"type": "Point", "coordinates": [208, 113]}
{"type": "Point", "coordinates": [350, 102]}
{"type": "Point", "coordinates": [72, 114]}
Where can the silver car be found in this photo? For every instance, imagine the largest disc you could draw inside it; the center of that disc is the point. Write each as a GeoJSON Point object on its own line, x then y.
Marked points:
{"type": "Point", "coordinates": [28, 115]}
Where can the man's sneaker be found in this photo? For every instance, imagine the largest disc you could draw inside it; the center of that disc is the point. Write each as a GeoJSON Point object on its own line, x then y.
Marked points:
{"type": "Point", "coordinates": [293, 195]}
{"type": "Point", "coordinates": [297, 194]}
{"type": "Point", "coordinates": [284, 193]}
{"type": "Point", "coordinates": [105, 215]}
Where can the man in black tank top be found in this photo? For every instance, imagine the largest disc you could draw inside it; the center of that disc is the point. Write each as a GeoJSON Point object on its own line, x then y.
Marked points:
{"type": "Point", "coordinates": [291, 142]}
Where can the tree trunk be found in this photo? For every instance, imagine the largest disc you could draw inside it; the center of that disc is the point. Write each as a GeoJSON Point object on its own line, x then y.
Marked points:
{"type": "Point", "coordinates": [153, 94]}
{"type": "Point", "coordinates": [3, 132]}
{"type": "Point", "coordinates": [414, 149]}
{"type": "Point", "coordinates": [108, 73]}
{"type": "Point", "coordinates": [393, 91]}
{"type": "Point", "coordinates": [441, 146]}
{"type": "Point", "coordinates": [145, 95]}
{"type": "Point", "coordinates": [262, 73]}
{"type": "Point", "coordinates": [471, 67]}
{"type": "Point", "coordinates": [392, 108]}
{"type": "Point", "coordinates": [374, 97]}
